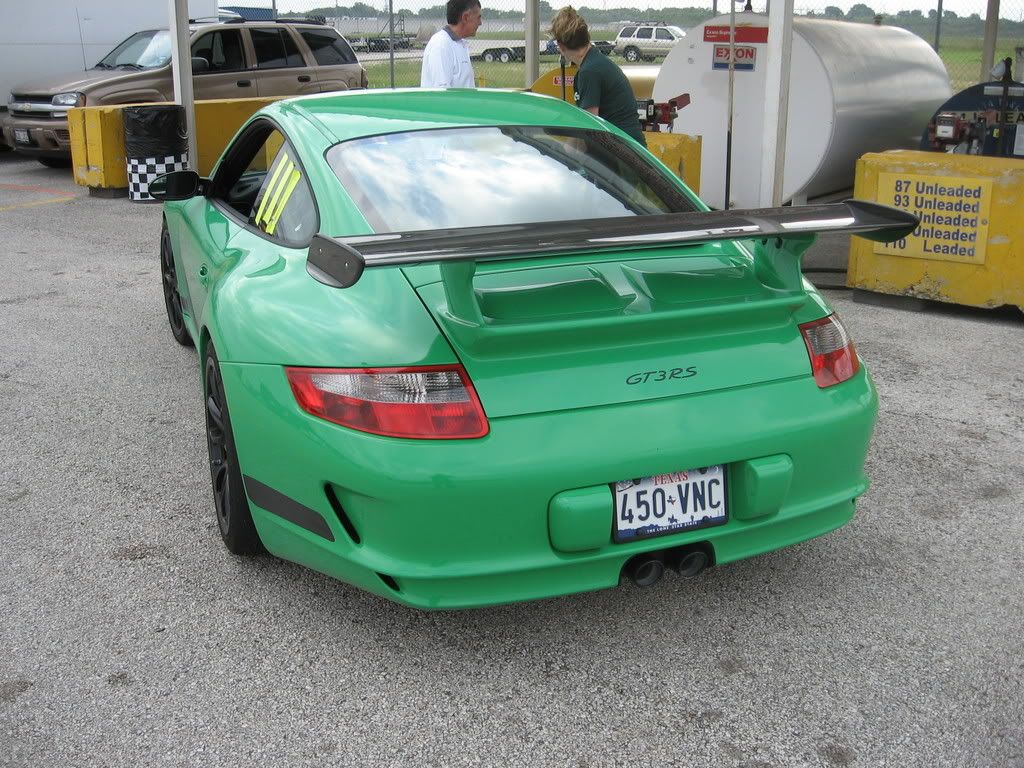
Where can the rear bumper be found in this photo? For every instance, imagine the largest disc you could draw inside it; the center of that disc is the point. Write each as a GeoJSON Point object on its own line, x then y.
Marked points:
{"type": "Point", "coordinates": [452, 524]}
{"type": "Point", "coordinates": [47, 137]}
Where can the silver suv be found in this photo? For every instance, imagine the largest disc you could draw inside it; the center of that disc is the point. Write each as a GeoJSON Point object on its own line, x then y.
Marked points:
{"type": "Point", "coordinates": [646, 41]}
{"type": "Point", "coordinates": [230, 60]}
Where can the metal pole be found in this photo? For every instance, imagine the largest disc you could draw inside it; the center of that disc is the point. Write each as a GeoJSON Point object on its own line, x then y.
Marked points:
{"type": "Point", "coordinates": [938, 26]}
{"type": "Point", "coordinates": [181, 72]}
{"type": "Point", "coordinates": [988, 53]}
{"type": "Point", "coordinates": [273, 9]}
{"type": "Point", "coordinates": [81, 39]}
{"type": "Point", "coordinates": [776, 101]}
{"type": "Point", "coordinates": [532, 42]}
{"type": "Point", "coordinates": [391, 39]}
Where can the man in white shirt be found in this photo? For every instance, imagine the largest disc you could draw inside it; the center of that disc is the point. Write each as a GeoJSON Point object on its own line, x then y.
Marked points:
{"type": "Point", "coordinates": [446, 58]}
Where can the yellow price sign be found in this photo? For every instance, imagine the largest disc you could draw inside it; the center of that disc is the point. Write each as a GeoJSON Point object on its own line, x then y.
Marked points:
{"type": "Point", "coordinates": [954, 213]}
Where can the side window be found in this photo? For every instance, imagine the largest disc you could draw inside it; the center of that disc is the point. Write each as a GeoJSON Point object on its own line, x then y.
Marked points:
{"type": "Point", "coordinates": [260, 179]}
{"type": "Point", "coordinates": [627, 31]}
{"type": "Point", "coordinates": [664, 34]}
{"type": "Point", "coordinates": [328, 47]}
{"type": "Point", "coordinates": [283, 208]}
{"type": "Point", "coordinates": [644, 33]}
{"type": "Point", "coordinates": [275, 49]}
{"type": "Point", "coordinates": [222, 50]}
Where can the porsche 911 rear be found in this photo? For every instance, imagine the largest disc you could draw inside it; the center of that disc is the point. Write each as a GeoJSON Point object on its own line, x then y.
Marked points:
{"type": "Point", "coordinates": [470, 348]}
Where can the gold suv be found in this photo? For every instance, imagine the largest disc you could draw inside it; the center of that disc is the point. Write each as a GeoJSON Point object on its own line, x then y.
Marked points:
{"type": "Point", "coordinates": [230, 60]}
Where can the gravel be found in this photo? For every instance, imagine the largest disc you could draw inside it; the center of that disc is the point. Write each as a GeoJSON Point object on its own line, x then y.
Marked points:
{"type": "Point", "coordinates": [129, 636]}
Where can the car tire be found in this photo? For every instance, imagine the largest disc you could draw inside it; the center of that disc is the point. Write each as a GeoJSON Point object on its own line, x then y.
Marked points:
{"type": "Point", "coordinates": [505, 57]}
{"type": "Point", "coordinates": [632, 55]}
{"type": "Point", "coordinates": [55, 162]}
{"type": "Point", "coordinates": [231, 506]}
{"type": "Point", "coordinates": [172, 298]}
{"type": "Point", "coordinates": [488, 56]}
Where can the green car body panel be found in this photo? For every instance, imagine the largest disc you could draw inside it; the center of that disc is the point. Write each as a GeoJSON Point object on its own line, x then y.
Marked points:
{"type": "Point", "coordinates": [566, 369]}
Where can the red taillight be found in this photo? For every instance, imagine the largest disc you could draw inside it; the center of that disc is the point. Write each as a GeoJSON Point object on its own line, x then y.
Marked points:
{"type": "Point", "coordinates": [434, 402]}
{"type": "Point", "coordinates": [833, 358]}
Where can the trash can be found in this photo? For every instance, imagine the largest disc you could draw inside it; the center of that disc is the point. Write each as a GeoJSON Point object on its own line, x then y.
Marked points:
{"type": "Point", "coordinates": [155, 143]}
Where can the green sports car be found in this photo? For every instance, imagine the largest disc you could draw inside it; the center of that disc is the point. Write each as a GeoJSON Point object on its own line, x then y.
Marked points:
{"type": "Point", "coordinates": [461, 348]}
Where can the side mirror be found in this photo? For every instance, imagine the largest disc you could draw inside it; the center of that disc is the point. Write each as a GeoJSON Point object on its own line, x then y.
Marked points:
{"type": "Point", "coordinates": [177, 185]}
{"type": "Point", "coordinates": [199, 64]}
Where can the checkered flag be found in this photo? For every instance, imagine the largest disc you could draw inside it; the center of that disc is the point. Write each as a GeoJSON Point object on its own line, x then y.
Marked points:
{"type": "Point", "coordinates": [142, 171]}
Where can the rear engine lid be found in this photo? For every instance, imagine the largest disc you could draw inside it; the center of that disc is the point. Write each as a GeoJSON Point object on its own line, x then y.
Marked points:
{"type": "Point", "coordinates": [559, 336]}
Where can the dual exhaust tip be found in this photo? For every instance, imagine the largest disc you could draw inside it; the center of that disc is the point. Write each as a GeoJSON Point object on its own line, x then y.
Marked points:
{"type": "Point", "coordinates": [648, 568]}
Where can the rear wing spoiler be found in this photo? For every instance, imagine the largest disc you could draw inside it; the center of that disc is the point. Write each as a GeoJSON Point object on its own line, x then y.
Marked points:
{"type": "Point", "coordinates": [785, 234]}
{"type": "Point", "coordinates": [340, 262]}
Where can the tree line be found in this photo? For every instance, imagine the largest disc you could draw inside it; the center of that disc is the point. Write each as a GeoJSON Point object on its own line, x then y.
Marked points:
{"type": "Point", "coordinates": [916, 21]}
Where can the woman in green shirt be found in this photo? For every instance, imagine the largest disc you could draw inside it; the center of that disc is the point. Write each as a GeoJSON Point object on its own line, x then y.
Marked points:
{"type": "Point", "coordinates": [600, 87]}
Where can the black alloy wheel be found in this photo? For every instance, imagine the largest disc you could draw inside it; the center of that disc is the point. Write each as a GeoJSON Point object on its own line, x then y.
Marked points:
{"type": "Point", "coordinates": [172, 299]}
{"type": "Point", "coordinates": [230, 503]}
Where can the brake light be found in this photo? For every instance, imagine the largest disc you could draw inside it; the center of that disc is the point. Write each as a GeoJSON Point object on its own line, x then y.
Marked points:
{"type": "Point", "coordinates": [433, 402]}
{"type": "Point", "coordinates": [833, 357]}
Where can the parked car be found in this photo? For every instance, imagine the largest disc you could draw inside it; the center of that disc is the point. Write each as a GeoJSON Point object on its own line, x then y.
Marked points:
{"type": "Point", "coordinates": [646, 41]}
{"type": "Point", "coordinates": [550, 47]}
{"type": "Point", "coordinates": [232, 59]}
{"type": "Point", "coordinates": [424, 374]}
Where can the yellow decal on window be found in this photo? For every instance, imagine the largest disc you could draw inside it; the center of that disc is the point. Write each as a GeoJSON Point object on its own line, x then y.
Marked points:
{"type": "Point", "coordinates": [284, 197]}
{"type": "Point", "coordinates": [273, 188]}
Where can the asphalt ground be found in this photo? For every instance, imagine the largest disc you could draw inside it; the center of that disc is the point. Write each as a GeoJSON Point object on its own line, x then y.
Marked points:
{"type": "Point", "coordinates": [130, 637]}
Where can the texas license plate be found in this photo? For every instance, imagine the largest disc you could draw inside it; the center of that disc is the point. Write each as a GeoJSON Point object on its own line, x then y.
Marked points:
{"type": "Point", "coordinates": [669, 503]}
{"type": "Point", "coordinates": [21, 136]}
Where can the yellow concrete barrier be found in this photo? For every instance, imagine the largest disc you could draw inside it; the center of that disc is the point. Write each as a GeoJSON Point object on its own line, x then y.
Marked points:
{"type": "Point", "coordinates": [97, 147]}
{"type": "Point", "coordinates": [97, 138]}
{"type": "Point", "coordinates": [969, 248]}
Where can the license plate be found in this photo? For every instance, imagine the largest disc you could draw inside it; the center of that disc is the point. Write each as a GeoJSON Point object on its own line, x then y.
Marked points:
{"type": "Point", "coordinates": [21, 136]}
{"type": "Point", "coordinates": [669, 503]}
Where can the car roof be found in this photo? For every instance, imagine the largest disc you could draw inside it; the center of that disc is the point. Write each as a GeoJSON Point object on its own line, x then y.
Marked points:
{"type": "Point", "coordinates": [354, 114]}
{"type": "Point", "coordinates": [203, 26]}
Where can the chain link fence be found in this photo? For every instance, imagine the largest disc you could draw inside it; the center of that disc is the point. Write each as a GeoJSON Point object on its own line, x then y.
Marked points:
{"type": "Point", "coordinates": [389, 36]}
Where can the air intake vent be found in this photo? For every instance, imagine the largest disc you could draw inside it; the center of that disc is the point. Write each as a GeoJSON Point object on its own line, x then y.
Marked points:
{"type": "Point", "coordinates": [391, 583]}
{"type": "Point", "coordinates": [343, 517]}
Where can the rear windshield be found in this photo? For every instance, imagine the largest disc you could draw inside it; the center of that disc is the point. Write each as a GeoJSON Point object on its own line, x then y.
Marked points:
{"type": "Point", "coordinates": [492, 176]}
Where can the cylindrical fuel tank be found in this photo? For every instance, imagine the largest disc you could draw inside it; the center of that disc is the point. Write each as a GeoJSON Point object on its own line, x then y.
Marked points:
{"type": "Point", "coordinates": [642, 79]}
{"type": "Point", "coordinates": [854, 88]}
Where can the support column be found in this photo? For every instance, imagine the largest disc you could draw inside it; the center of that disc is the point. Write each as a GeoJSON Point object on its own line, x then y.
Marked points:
{"type": "Point", "coordinates": [988, 52]}
{"type": "Point", "coordinates": [181, 72]}
{"type": "Point", "coordinates": [776, 101]}
{"type": "Point", "coordinates": [532, 30]}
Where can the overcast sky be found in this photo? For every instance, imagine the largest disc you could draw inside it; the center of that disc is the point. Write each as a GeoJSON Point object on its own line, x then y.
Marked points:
{"type": "Point", "coordinates": [1012, 9]}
